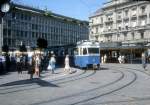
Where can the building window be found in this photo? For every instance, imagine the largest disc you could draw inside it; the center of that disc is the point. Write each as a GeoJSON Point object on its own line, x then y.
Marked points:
{"type": "Point", "coordinates": [134, 12]}
{"type": "Point", "coordinates": [143, 8]}
{"type": "Point", "coordinates": [13, 15]}
{"type": "Point", "coordinates": [126, 13]}
{"type": "Point", "coordinates": [142, 35]}
{"type": "Point", "coordinates": [9, 32]}
{"type": "Point", "coordinates": [132, 36]}
{"type": "Point", "coordinates": [119, 15]}
{"type": "Point", "coordinates": [125, 36]}
{"type": "Point", "coordinates": [126, 27]}
{"type": "Point", "coordinates": [4, 32]}
{"type": "Point", "coordinates": [96, 29]}
{"type": "Point", "coordinates": [119, 28]}
{"type": "Point", "coordinates": [101, 20]}
{"type": "Point", "coordinates": [9, 23]}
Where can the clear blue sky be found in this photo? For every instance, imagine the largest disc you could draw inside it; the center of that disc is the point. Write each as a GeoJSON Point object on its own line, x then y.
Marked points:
{"type": "Point", "coordinates": [79, 9]}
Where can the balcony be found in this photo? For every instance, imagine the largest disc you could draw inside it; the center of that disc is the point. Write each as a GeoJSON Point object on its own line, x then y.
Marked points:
{"type": "Point", "coordinates": [108, 21]}
{"type": "Point", "coordinates": [142, 14]}
{"type": "Point", "coordinates": [136, 43]}
{"type": "Point", "coordinates": [96, 24]}
{"type": "Point", "coordinates": [133, 17]}
{"type": "Point", "coordinates": [108, 31]}
{"type": "Point", "coordinates": [106, 45]}
{"type": "Point", "coordinates": [126, 18]}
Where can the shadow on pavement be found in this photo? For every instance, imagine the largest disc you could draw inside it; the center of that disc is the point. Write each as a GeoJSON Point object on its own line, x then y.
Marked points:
{"type": "Point", "coordinates": [30, 81]}
{"type": "Point", "coordinates": [102, 68]}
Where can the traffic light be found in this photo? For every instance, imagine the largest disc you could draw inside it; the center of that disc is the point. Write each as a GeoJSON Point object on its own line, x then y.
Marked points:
{"type": "Point", "coordinates": [4, 7]}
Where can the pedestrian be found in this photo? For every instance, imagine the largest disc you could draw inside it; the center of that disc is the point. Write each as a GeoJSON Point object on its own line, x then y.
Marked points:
{"type": "Point", "coordinates": [18, 65]}
{"type": "Point", "coordinates": [67, 65]}
{"type": "Point", "coordinates": [105, 58]}
{"type": "Point", "coordinates": [49, 65]}
{"type": "Point", "coordinates": [37, 65]}
{"type": "Point", "coordinates": [52, 63]}
{"type": "Point", "coordinates": [144, 61]}
{"type": "Point", "coordinates": [31, 66]}
{"type": "Point", "coordinates": [102, 59]}
{"type": "Point", "coordinates": [123, 59]}
{"type": "Point", "coordinates": [119, 59]}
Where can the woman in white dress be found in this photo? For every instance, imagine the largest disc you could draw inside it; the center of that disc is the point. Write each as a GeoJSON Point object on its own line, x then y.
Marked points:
{"type": "Point", "coordinates": [67, 65]}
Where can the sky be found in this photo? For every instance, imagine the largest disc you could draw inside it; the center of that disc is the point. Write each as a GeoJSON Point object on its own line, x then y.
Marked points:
{"type": "Point", "coordinates": [79, 9]}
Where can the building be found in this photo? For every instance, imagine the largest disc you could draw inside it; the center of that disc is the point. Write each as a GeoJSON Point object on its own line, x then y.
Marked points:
{"type": "Point", "coordinates": [24, 25]}
{"type": "Point", "coordinates": [123, 28]}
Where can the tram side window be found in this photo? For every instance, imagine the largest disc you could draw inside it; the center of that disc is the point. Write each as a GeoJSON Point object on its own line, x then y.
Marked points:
{"type": "Point", "coordinates": [84, 51]}
{"type": "Point", "coordinates": [93, 50]}
{"type": "Point", "coordinates": [76, 51]}
{"type": "Point", "coordinates": [81, 51]}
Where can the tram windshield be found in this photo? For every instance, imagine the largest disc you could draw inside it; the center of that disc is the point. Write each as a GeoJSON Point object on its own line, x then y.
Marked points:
{"type": "Point", "coordinates": [93, 50]}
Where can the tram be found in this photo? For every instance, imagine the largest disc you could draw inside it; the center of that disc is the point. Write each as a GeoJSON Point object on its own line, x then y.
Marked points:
{"type": "Point", "coordinates": [87, 54]}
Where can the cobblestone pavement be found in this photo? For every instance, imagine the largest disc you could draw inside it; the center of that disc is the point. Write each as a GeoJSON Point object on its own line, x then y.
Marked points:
{"type": "Point", "coordinates": [114, 84]}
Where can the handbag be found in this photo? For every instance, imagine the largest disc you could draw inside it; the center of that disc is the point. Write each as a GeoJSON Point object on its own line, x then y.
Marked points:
{"type": "Point", "coordinates": [49, 67]}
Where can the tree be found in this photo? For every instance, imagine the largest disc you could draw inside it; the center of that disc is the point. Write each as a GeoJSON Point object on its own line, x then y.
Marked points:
{"type": "Point", "coordinates": [5, 48]}
{"type": "Point", "coordinates": [41, 43]}
{"type": "Point", "coordinates": [23, 48]}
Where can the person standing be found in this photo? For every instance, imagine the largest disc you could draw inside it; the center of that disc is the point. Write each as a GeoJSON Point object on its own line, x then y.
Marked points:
{"type": "Point", "coordinates": [144, 60]}
{"type": "Point", "coordinates": [31, 66]}
{"type": "Point", "coordinates": [105, 58]}
{"type": "Point", "coordinates": [102, 59]}
{"type": "Point", "coordinates": [52, 63]}
{"type": "Point", "coordinates": [119, 59]}
{"type": "Point", "coordinates": [67, 65]}
{"type": "Point", "coordinates": [37, 65]}
{"type": "Point", "coordinates": [19, 64]}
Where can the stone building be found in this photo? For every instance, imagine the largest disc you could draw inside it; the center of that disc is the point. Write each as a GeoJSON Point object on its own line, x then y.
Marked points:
{"type": "Point", "coordinates": [24, 25]}
{"type": "Point", "coordinates": [123, 28]}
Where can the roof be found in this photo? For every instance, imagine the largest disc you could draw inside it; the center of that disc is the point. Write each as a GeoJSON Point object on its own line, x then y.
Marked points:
{"type": "Point", "coordinates": [88, 43]}
{"type": "Point", "coordinates": [46, 12]}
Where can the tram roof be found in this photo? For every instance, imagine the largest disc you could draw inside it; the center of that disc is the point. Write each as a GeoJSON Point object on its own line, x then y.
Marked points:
{"type": "Point", "coordinates": [88, 43]}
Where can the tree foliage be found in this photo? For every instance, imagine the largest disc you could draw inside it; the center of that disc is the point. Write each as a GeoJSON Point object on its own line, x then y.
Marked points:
{"type": "Point", "coordinates": [41, 43]}
{"type": "Point", "coordinates": [23, 48]}
{"type": "Point", "coordinates": [5, 48]}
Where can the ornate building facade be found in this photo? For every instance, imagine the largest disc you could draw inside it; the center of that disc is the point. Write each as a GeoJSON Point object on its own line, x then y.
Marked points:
{"type": "Point", "coordinates": [123, 28]}
{"type": "Point", "coordinates": [24, 25]}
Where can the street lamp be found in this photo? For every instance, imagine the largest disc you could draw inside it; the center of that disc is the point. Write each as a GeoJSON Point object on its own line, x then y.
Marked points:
{"type": "Point", "coordinates": [4, 8]}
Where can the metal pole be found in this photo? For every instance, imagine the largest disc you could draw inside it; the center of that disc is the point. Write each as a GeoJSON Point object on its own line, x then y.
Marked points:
{"type": "Point", "coordinates": [1, 34]}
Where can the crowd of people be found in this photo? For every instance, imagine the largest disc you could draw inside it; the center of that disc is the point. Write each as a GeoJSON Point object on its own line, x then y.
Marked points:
{"type": "Point", "coordinates": [23, 62]}
{"type": "Point", "coordinates": [122, 59]}
{"type": "Point", "coordinates": [34, 64]}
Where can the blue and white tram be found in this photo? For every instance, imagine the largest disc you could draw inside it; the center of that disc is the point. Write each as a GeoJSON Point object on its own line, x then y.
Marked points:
{"type": "Point", "coordinates": [87, 54]}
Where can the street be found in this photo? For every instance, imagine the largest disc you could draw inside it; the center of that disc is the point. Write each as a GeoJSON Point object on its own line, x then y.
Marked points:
{"type": "Point", "coordinates": [114, 84]}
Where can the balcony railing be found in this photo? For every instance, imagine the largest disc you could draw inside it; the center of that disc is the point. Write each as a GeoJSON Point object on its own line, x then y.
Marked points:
{"type": "Point", "coordinates": [143, 14]}
{"type": "Point", "coordinates": [110, 44]}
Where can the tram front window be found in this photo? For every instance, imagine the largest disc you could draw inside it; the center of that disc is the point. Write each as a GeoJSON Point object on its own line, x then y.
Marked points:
{"type": "Point", "coordinates": [93, 50]}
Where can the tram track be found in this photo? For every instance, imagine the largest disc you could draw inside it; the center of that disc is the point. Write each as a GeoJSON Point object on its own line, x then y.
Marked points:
{"type": "Point", "coordinates": [99, 88]}
{"type": "Point", "coordinates": [32, 80]}
{"type": "Point", "coordinates": [109, 92]}
{"type": "Point", "coordinates": [78, 77]}
{"type": "Point", "coordinates": [84, 92]}
{"type": "Point", "coordinates": [133, 69]}
{"type": "Point", "coordinates": [93, 97]}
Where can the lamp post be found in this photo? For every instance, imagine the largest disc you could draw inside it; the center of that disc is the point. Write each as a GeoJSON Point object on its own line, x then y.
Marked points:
{"type": "Point", "coordinates": [4, 8]}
